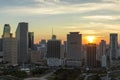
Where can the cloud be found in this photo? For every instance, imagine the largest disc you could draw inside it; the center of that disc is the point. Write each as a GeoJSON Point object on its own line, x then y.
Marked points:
{"type": "Point", "coordinates": [103, 17]}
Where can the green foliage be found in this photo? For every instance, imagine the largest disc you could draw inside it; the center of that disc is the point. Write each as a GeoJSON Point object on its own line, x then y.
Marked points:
{"type": "Point", "coordinates": [38, 71]}
{"type": "Point", "coordinates": [67, 74]}
{"type": "Point", "coordinates": [15, 73]}
{"type": "Point", "coordinates": [94, 77]}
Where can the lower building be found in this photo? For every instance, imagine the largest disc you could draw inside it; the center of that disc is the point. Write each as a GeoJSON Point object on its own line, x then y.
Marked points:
{"type": "Point", "coordinates": [33, 56]}
{"type": "Point", "coordinates": [10, 51]}
{"type": "Point", "coordinates": [55, 62]}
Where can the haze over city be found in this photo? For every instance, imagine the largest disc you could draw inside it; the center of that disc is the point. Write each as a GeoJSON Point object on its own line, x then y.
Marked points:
{"type": "Point", "coordinates": [95, 18]}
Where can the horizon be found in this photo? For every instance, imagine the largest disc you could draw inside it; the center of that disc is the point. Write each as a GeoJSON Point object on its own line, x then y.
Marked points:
{"type": "Point", "coordinates": [96, 18]}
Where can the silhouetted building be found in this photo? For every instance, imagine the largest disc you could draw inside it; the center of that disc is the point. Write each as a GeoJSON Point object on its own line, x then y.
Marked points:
{"type": "Point", "coordinates": [74, 45]}
{"type": "Point", "coordinates": [53, 48]}
{"type": "Point", "coordinates": [22, 42]}
{"type": "Point", "coordinates": [91, 61]}
{"type": "Point", "coordinates": [113, 46]}
{"type": "Point", "coordinates": [53, 52]}
{"type": "Point", "coordinates": [31, 40]}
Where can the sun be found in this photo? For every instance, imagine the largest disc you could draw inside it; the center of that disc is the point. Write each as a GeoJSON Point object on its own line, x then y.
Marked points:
{"type": "Point", "coordinates": [91, 39]}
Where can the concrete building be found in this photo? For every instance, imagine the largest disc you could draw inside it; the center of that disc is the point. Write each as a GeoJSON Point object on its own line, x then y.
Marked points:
{"type": "Point", "coordinates": [31, 40]}
{"type": "Point", "coordinates": [10, 51]}
{"type": "Point", "coordinates": [22, 42]}
{"type": "Point", "coordinates": [53, 52]}
{"type": "Point", "coordinates": [74, 45]}
{"type": "Point", "coordinates": [113, 46]}
{"type": "Point", "coordinates": [91, 61]}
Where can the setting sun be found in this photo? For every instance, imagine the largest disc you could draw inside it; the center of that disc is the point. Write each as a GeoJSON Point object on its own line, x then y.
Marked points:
{"type": "Point", "coordinates": [91, 39]}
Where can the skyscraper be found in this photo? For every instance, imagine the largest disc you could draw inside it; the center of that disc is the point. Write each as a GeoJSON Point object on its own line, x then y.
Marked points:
{"type": "Point", "coordinates": [113, 46]}
{"type": "Point", "coordinates": [53, 48]}
{"type": "Point", "coordinates": [6, 31]}
{"type": "Point", "coordinates": [74, 45]}
{"type": "Point", "coordinates": [9, 45]}
{"type": "Point", "coordinates": [22, 42]}
{"type": "Point", "coordinates": [31, 40]}
{"type": "Point", "coordinates": [53, 52]}
{"type": "Point", "coordinates": [91, 61]}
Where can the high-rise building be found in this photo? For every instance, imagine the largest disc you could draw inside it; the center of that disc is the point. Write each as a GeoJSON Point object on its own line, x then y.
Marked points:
{"type": "Point", "coordinates": [6, 31]}
{"type": "Point", "coordinates": [113, 46]}
{"type": "Point", "coordinates": [102, 48]}
{"type": "Point", "coordinates": [91, 61]}
{"type": "Point", "coordinates": [74, 45]}
{"type": "Point", "coordinates": [31, 40]}
{"type": "Point", "coordinates": [53, 52]}
{"type": "Point", "coordinates": [53, 48]}
{"type": "Point", "coordinates": [10, 51]}
{"type": "Point", "coordinates": [22, 42]}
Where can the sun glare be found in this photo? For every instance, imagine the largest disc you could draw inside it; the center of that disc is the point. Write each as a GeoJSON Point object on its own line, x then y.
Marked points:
{"type": "Point", "coordinates": [90, 39]}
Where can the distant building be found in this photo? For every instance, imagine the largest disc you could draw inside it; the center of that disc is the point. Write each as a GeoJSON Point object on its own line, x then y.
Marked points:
{"type": "Point", "coordinates": [43, 49]}
{"type": "Point", "coordinates": [53, 52]}
{"type": "Point", "coordinates": [22, 42]}
{"type": "Point", "coordinates": [102, 48]}
{"type": "Point", "coordinates": [34, 56]}
{"type": "Point", "coordinates": [91, 61]}
{"type": "Point", "coordinates": [113, 46]}
{"type": "Point", "coordinates": [74, 45]}
{"type": "Point", "coordinates": [31, 40]}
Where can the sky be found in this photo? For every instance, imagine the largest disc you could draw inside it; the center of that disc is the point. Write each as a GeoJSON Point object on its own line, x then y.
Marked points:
{"type": "Point", "coordinates": [96, 18]}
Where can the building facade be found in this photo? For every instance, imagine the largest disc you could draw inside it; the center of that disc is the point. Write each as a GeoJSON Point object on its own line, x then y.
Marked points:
{"type": "Point", "coordinates": [102, 48]}
{"type": "Point", "coordinates": [74, 45]}
{"type": "Point", "coordinates": [113, 46]}
{"type": "Point", "coordinates": [53, 52]}
{"type": "Point", "coordinates": [31, 40]}
{"type": "Point", "coordinates": [22, 42]}
{"type": "Point", "coordinates": [91, 61]}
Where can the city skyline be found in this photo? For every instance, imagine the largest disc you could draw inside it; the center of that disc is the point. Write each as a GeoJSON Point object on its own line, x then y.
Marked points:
{"type": "Point", "coordinates": [96, 18]}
